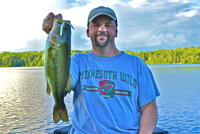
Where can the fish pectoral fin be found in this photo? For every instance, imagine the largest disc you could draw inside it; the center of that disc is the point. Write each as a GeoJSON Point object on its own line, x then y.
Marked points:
{"type": "Point", "coordinates": [69, 86]}
{"type": "Point", "coordinates": [60, 113]}
{"type": "Point", "coordinates": [48, 88]}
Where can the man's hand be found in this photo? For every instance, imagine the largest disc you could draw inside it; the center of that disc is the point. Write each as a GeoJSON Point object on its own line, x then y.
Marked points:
{"type": "Point", "coordinates": [48, 22]}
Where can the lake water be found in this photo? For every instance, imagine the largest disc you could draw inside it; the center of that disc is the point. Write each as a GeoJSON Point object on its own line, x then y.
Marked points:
{"type": "Point", "coordinates": [25, 106]}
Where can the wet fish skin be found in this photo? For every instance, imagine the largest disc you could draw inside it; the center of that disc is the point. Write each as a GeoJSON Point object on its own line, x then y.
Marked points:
{"type": "Point", "coordinates": [57, 62]}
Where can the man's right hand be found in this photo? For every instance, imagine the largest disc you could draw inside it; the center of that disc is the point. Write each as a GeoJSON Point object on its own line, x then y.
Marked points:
{"type": "Point", "coordinates": [48, 22]}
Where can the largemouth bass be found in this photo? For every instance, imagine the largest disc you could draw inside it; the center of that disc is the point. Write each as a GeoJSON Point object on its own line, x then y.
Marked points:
{"type": "Point", "coordinates": [57, 60]}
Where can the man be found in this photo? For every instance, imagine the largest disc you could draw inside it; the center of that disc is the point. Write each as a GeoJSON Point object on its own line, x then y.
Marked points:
{"type": "Point", "coordinates": [113, 92]}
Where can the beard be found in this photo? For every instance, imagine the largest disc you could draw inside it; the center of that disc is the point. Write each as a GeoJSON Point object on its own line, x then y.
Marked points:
{"type": "Point", "coordinates": [105, 43]}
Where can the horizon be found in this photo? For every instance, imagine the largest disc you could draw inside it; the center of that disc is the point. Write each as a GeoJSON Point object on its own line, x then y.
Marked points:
{"type": "Point", "coordinates": [143, 25]}
{"type": "Point", "coordinates": [119, 50]}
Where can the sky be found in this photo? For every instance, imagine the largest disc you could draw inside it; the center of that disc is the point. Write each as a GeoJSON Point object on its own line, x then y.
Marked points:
{"type": "Point", "coordinates": [143, 25]}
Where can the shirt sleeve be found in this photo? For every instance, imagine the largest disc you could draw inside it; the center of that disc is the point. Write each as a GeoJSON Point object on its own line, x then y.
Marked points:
{"type": "Point", "coordinates": [148, 90]}
{"type": "Point", "coordinates": [74, 70]}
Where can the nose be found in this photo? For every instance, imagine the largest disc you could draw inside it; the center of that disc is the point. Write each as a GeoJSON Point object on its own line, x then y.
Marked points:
{"type": "Point", "coordinates": [102, 28]}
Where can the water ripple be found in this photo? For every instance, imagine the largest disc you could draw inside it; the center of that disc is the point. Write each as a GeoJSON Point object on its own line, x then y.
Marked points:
{"type": "Point", "coordinates": [25, 106]}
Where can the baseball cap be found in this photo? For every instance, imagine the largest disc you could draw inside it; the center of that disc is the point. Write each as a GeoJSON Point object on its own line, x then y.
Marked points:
{"type": "Point", "coordinates": [101, 10]}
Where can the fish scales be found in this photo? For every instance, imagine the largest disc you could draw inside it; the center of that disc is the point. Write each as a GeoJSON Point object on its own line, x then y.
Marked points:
{"type": "Point", "coordinates": [57, 62]}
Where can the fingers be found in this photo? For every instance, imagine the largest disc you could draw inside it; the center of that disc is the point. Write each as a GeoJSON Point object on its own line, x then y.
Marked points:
{"type": "Point", "coordinates": [60, 16]}
{"type": "Point", "coordinates": [48, 22]}
{"type": "Point", "coordinates": [50, 16]}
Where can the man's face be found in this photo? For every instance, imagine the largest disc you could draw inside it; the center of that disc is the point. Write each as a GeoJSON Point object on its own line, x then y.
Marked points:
{"type": "Point", "coordinates": [102, 31]}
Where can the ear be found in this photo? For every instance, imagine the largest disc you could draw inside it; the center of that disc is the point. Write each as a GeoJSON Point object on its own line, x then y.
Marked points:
{"type": "Point", "coordinates": [116, 32]}
{"type": "Point", "coordinates": [88, 32]}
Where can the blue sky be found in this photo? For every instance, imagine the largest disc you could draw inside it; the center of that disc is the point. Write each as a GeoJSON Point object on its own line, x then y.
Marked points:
{"type": "Point", "coordinates": [143, 24]}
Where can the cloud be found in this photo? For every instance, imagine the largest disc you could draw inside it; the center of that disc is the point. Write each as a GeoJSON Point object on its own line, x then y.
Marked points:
{"type": "Point", "coordinates": [142, 23]}
{"type": "Point", "coordinates": [79, 42]}
{"type": "Point", "coordinates": [35, 44]}
{"type": "Point", "coordinates": [158, 24]}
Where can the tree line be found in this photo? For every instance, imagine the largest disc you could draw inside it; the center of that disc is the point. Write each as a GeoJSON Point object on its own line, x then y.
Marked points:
{"type": "Point", "coordinates": [186, 55]}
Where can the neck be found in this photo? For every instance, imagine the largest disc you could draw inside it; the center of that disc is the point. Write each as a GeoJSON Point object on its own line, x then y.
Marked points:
{"type": "Point", "coordinates": [108, 51]}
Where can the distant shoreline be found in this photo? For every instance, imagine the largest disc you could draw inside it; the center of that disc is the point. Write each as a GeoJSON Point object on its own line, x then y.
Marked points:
{"type": "Point", "coordinates": [151, 65]}
{"type": "Point", "coordinates": [186, 55]}
{"type": "Point", "coordinates": [173, 65]}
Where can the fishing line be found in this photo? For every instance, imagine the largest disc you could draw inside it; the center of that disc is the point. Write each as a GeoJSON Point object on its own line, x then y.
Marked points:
{"type": "Point", "coordinates": [62, 26]}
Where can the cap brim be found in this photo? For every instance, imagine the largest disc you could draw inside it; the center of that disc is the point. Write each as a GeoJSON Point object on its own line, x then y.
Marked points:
{"type": "Point", "coordinates": [91, 19]}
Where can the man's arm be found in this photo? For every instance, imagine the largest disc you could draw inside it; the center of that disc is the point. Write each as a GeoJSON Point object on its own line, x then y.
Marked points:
{"type": "Point", "coordinates": [149, 118]}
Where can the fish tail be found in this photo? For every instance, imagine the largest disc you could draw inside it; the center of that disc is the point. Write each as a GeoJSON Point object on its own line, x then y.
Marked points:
{"type": "Point", "coordinates": [60, 113]}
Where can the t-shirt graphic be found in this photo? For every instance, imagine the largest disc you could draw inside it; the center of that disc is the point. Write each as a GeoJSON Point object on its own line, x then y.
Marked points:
{"type": "Point", "coordinates": [106, 89]}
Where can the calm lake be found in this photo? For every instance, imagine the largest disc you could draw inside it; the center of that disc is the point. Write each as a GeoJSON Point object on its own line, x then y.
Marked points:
{"type": "Point", "coordinates": [25, 106]}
